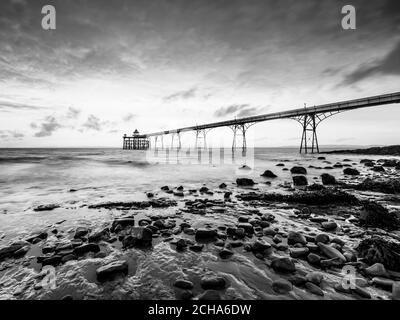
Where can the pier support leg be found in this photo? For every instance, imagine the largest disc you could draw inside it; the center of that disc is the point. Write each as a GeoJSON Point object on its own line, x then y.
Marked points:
{"type": "Point", "coordinates": [178, 135]}
{"type": "Point", "coordinates": [201, 135]}
{"type": "Point", "coordinates": [309, 134]}
{"type": "Point", "coordinates": [240, 130]}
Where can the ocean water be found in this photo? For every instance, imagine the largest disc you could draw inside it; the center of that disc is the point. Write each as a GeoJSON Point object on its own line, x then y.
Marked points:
{"type": "Point", "coordinates": [76, 178]}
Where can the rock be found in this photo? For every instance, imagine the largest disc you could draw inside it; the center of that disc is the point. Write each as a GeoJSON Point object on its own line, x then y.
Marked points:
{"type": "Point", "coordinates": [85, 248]}
{"type": "Point", "coordinates": [8, 251]}
{"type": "Point", "coordinates": [376, 270]}
{"type": "Point", "coordinates": [262, 247]}
{"type": "Point", "coordinates": [245, 167]}
{"type": "Point", "coordinates": [378, 169]}
{"type": "Point", "coordinates": [324, 238]}
{"type": "Point", "coordinates": [112, 269]}
{"type": "Point", "coordinates": [245, 182]}
{"type": "Point", "coordinates": [362, 292]}
{"type": "Point", "coordinates": [196, 247]}
{"type": "Point", "coordinates": [222, 185]}
{"type": "Point", "coordinates": [315, 277]}
{"type": "Point", "coordinates": [328, 179]}
{"type": "Point", "coordinates": [298, 252]}
{"type": "Point", "coordinates": [351, 172]}
{"type": "Point", "coordinates": [297, 280]}
{"type": "Point", "coordinates": [313, 258]}
{"type": "Point", "coordinates": [375, 215]}
{"type": "Point", "coordinates": [334, 262]}
{"type": "Point", "coordinates": [22, 251]}
{"type": "Point", "coordinates": [178, 194]}
{"type": "Point", "coordinates": [329, 225]}
{"type": "Point", "coordinates": [150, 195]}
{"type": "Point", "coordinates": [269, 174]}
{"type": "Point", "coordinates": [213, 282]}
{"type": "Point", "coordinates": [300, 180]}
{"type": "Point", "coordinates": [210, 295]}
{"type": "Point", "coordinates": [282, 286]}
{"type": "Point", "coordinates": [46, 207]}
{"type": "Point", "coordinates": [283, 265]}
{"type": "Point", "coordinates": [331, 252]}
{"type": "Point", "coordinates": [41, 235]}
{"type": "Point", "coordinates": [99, 235]}
{"type": "Point", "coordinates": [321, 158]}
{"type": "Point", "coordinates": [225, 253]}
{"type": "Point", "coordinates": [183, 284]}
{"type": "Point", "coordinates": [248, 227]}
{"type": "Point", "coordinates": [269, 232]}
{"type": "Point", "coordinates": [138, 237]}
{"type": "Point", "coordinates": [384, 283]}
{"type": "Point", "coordinates": [165, 188]}
{"type": "Point", "coordinates": [205, 234]}
{"type": "Point", "coordinates": [296, 237]}
{"type": "Point", "coordinates": [181, 245]}
{"type": "Point", "coordinates": [298, 170]}
{"type": "Point", "coordinates": [68, 257]}
{"type": "Point", "coordinates": [52, 261]}
{"type": "Point", "coordinates": [313, 288]}
{"type": "Point", "coordinates": [122, 222]}
{"type": "Point", "coordinates": [203, 189]}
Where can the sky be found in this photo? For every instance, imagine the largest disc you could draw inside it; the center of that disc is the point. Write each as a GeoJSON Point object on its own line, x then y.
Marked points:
{"type": "Point", "coordinates": [110, 67]}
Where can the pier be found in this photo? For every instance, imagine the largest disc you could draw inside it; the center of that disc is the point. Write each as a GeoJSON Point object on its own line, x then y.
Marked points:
{"type": "Point", "coordinates": [309, 118]}
{"type": "Point", "coordinates": [136, 142]}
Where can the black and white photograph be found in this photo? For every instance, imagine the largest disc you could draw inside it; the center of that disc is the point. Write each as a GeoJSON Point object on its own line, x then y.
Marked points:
{"type": "Point", "coordinates": [196, 150]}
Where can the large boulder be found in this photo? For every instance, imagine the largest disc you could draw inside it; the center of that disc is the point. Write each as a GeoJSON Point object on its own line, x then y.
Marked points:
{"type": "Point", "coordinates": [375, 215]}
{"type": "Point", "coordinates": [122, 223]}
{"type": "Point", "coordinates": [380, 249]}
{"type": "Point", "coordinates": [138, 237]}
{"type": "Point", "coordinates": [351, 172]}
{"type": "Point", "coordinates": [245, 182]}
{"type": "Point", "coordinates": [328, 179]}
{"type": "Point", "coordinates": [298, 170]}
{"type": "Point", "coordinates": [205, 234]}
{"type": "Point", "coordinates": [300, 180]}
{"type": "Point", "coordinates": [296, 237]}
{"type": "Point", "coordinates": [283, 265]}
{"type": "Point", "coordinates": [269, 174]}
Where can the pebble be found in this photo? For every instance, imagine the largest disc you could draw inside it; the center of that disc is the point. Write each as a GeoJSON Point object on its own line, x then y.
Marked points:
{"type": "Point", "coordinates": [376, 270]}
{"type": "Point", "coordinates": [184, 284]}
{"type": "Point", "coordinates": [296, 237]}
{"type": "Point", "coordinates": [213, 282]}
{"type": "Point", "coordinates": [111, 269]}
{"type": "Point", "coordinates": [283, 265]}
{"type": "Point", "coordinates": [331, 252]}
{"type": "Point", "coordinates": [282, 286]}
{"type": "Point", "coordinates": [313, 288]}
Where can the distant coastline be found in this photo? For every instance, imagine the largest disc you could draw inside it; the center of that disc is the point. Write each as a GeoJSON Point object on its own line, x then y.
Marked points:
{"type": "Point", "coordinates": [386, 150]}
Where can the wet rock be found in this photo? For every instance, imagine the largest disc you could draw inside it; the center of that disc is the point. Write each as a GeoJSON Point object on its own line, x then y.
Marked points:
{"type": "Point", "coordinates": [315, 277]}
{"type": "Point", "coordinates": [384, 283]}
{"type": "Point", "coordinates": [269, 232]}
{"type": "Point", "coordinates": [245, 182]}
{"type": "Point", "coordinates": [183, 284]}
{"type": "Point", "coordinates": [324, 238]}
{"type": "Point", "coordinates": [165, 188]}
{"type": "Point", "coordinates": [375, 215]}
{"type": "Point", "coordinates": [213, 283]}
{"type": "Point", "coordinates": [351, 172]}
{"type": "Point", "coordinates": [314, 259]}
{"type": "Point", "coordinates": [122, 223]}
{"type": "Point", "coordinates": [138, 237]}
{"type": "Point", "coordinates": [196, 247]}
{"type": "Point", "coordinates": [46, 207]}
{"type": "Point", "coordinates": [269, 174]}
{"type": "Point", "coordinates": [298, 170]}
{"type": "Point", "coordinates": [328, 179]}
{"type": "Point", "coordinates": [90, 247]}
{"type": "Point", "coordinates": [379, 249]}
{"type": "Point", "coordinates": [362, 292]}
{"type": "Point", "coordinates": [178, 194]}
{"type": "Point", "coordinates": [378, 169]}
{"type": "Point", "coordinates": [297, 280]}
{"type": "Point", "coordinates": [8, 251]}
{"type": "Point", "coordinates": [248, 227]}
{"type": "Point", "coordinates": [296, 237]}
{"type": "Point", "coordinates": [329, 225]}
{"type": "Point", "coordinates": [22, 251]}
{"type": "Point", "coordinates": [390, 185]}
{"type": "Point", "coordinates": [68, 257]}
{"type": "Point", "coordinates": [222, 185]}
{"type": "Point", "coordinates": [331, 252]}
{"type": "Point", "coordinates": [112, 269]}
{"type": "Point", "coordinates": [283, 265]}
{"type": "Point", "coordinates": [313, 288]}
{"type": "Point", "coordinates": [300, 180]}
{"type": "Point", "coordinates": [298, 252]}
{"type": "Point", "coordinates": [203, 189]}
{"type": "Point", "coordinates": [99, 235]}
{"type": "Point", "coordinates": [282, 286]}
{"type": "Point", "coordinates": [262, 247]}
{"type": "Point", "coordinates": [52, 261]}
{"type": "Point", "coordinates": [41, 235]}
{"type": "Point", "coordinates": [150, 195]}
{"type": "Point", "coordinates": [205, 234]}
{"type": "Point", "coordinates": [210, 295]}
{"type": "Point", "coordinates": [225, 253]}
{"type": "Point", "coordinates": [376, 270]}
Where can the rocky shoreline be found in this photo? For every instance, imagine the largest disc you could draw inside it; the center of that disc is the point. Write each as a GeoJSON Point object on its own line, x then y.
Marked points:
{"type": "Point", "coordinates": [306, 241]}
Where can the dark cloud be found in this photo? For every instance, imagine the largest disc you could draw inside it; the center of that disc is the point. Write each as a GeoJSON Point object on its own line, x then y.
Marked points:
{"type": "Point", "coordinates": [73, 113]}
{"type": "Point", "coordinates": [229, 110]}
{"type": "Point", "coordinates": [47, 127]}
{"type": "Point", "coordinates": [389, 65]}
{"type": "Point", "coordinates": [248, 112]}
{"type": "Point", "coordinates": [8, 106]}
{"type": "Point", "coordinates": [128, 117]}
{"type": "Point", "coordinates": [185, 94]}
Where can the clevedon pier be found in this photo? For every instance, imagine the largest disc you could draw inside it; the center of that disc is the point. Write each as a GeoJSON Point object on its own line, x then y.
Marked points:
{"type": "Point", "coordinates": [309, 119]}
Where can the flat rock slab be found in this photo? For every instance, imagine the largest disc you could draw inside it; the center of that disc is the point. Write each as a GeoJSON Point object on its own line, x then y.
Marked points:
{"type": "Point", "coordinates": [110, 270]}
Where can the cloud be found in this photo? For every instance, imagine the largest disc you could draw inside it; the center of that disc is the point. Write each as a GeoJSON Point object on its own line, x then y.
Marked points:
{"type": "Point", "coordinates": [94, 123]}
{"type": "Point", "coordinates": [128, 117]}
{"type": "Point", "coordinates": [248, 112]}
{"type": "Point", "coordinates": [229, 110]}
{"type": "Point", "coordinates": [73, 113]}
{"type": "Point", "coordinates": [9, 134]}
{"type": "Point", "coordinates": [389, 65]}
{"type": "Point", "coordinates": [185, 94]}
{"type": "Point", "coordinates": [47, 127]}
{"type": "Point", "coordinates": [8, 106]}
